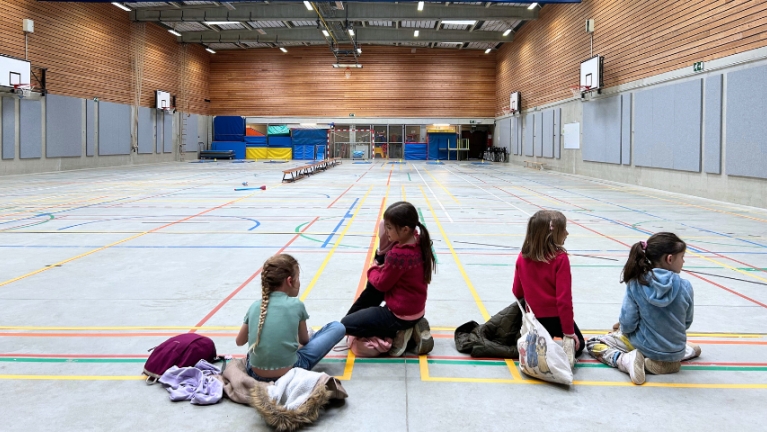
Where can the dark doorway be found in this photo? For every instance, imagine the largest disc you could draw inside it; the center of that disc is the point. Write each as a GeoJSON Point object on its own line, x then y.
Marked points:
{"type": "Point", "coordinates": [477, 142]}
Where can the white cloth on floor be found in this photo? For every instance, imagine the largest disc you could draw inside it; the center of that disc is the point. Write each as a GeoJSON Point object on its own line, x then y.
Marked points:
{"type": "Point", "coordinates": [294, 388]}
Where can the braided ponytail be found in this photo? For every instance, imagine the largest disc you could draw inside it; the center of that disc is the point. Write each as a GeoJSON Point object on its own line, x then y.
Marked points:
{"type": "Point", "coordinates": [274, 272]}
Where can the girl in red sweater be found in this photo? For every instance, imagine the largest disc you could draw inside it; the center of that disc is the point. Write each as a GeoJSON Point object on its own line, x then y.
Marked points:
{"type": "Point", "coordinates": [543, 279]}
{"type": "Point", "coordinates": [402, 282]}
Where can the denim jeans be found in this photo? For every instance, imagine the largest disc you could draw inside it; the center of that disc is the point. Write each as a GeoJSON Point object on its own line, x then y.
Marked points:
{"type": "Point", "coordinates": [315, 350]}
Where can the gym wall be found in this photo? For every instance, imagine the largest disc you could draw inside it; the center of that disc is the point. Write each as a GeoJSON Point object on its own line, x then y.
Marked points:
{"type": "Point", "coordinates": [657, 123]}
{"type": "Point", "coordinates": [393, 83]}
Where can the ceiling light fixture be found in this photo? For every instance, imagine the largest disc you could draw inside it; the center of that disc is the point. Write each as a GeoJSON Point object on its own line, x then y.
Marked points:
{"type": "Point", "coordinates": [420, 5]}
{"type": "Point", "coordinates": [325, 32]}
{"type": "Point", "coordinates": [487, 51]}
{"type": "Point", "coordinates": [339, 65]}
{"type": "Point", "coordinates": [359, 50]}
{"type": "Point", "coordinates": [220, 22]}
{"type": "Point", "coordinates": [507, 32]}
{"type": "Point", "coordinates": [460, 22]}
{"type": "Point", "coordinates": [416, 33]}
{"type": "Point", "coordinates": [210, 50]}
{"type": "Point", "coordinates": [122, 6]}
{"type": "Point", "coordinates": [174, 32]}
{"type": "Point", "coordinates": [441, 124]}
{"type": "Point", "coordinates": [309, 5]}
{"type": "Point", "coordinates": [532, 6]}
{"type": "Point", "coordinates": [283, 50]}
{"type": "Point", "coordinates": [351, 32]}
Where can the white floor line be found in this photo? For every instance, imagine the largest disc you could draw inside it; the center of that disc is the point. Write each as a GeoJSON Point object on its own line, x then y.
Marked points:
{"type": "Point", "coordinates": [432, 193]}
{"type": "Point", "coordinates": [487, 191]}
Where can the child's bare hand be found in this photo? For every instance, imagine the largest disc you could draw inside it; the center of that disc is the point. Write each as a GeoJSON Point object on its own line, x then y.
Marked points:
{"type": "Point", "coordinates": [617, 326]}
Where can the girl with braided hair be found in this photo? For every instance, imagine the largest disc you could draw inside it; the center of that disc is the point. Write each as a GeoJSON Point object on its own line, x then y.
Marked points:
{"type": "Point", "coordinates": [401, 279]}
{"type": "Point", "coordinates": [656, 313]}
{"type": "Point", "coordinates": [274, 341]}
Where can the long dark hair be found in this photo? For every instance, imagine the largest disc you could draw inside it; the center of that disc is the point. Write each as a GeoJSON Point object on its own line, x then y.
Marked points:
{"type": "Point", "coordinates": [544, 229]}
{"type": "Point", "coordinates": [403, 214]}
{"type": "Point", "coordinates": [645, 256]}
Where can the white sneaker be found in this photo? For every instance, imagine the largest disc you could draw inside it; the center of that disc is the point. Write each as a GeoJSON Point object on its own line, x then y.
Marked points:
{"type": "Point", "coordinates": [399, 345]}
{"type": "Point", "coordinates": [568, 344]}
{"type": "Point", "coordinates": [424, 342]}
{"type": "Point", "coordinates": [633, 364]}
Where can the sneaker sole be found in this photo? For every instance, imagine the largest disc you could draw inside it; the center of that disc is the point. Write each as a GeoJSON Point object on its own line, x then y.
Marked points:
{"type": "Point", "coordinates": [397, 352]}
{"type": "Point", "coordinates": [662, 368]}
{"type": "Point", "coordinates": [638, 377]}
{"type": "Point", "coordinates": [424, 342]}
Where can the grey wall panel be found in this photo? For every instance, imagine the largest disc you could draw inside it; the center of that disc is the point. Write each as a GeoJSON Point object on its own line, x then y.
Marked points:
{"type": "Point", "coordinates": [667, 126]}
{"type": "Point", "coordinates": [538, 136]}
{"type": "Point", "coordinates": [519, 134]}
{"type": "Point", "coordinates": [63, 126]}
{"type": "Point", "coordinates": [145, 131]}
{"type": "Point", "coordinates": [713, 119]}
{"type": "Point", "coordinates": [746, 134]}
{"type": "Point", "coordinates": [626, 129]}
{"type": "Point", "coordinates": [548, 133]}
{"type": "Point", "coordinates": [557, 132]}
{"type": "Point", "coordinates": [688, 120]}
{"type": "Point", "coordinates": [114, 129]}
{"type": "Point", "coordinates": [513, 132]}
{"type": "Point", "coordinates": [529, 134]}
{"type": "Point", "coordinates": [90, 127]}
{"type": "Point", "coordinates": [167, 132]}
{"type": "Point", "coordinates": [602, 130]}
{"type": "Point", "coordinates": [30, 129]}
{"type": "Point", "coordinates": [159, 123]}
{"type": "Point", "coordinates": [9, 128]}
{"type": "Point", "coordinates": [191, 137]}
{"type": "Point", "coordinates": [504, 134]}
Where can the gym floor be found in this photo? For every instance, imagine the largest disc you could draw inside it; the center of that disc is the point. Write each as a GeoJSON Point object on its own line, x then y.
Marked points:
{"type": "Point", "coordinates": [98, 266]}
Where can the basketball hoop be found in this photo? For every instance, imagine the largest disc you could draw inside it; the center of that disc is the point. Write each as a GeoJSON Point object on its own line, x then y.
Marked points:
{"type": "Point", "coordinates": [170, 110]}
{"type": "Point", "coordinates": [507, 111]}
{"type": "Point", "coordinates": [578, 90]}
{"type": "Point", "coordinates": [22, 90]}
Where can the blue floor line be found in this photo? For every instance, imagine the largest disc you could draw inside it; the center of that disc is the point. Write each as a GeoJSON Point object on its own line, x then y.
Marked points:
{"type": "Point", "coordinates": [347, 215]}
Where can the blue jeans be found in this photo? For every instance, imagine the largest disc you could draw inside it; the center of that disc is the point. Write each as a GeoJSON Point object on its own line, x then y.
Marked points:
{"type": "Point", "coordinates": [310, 354]}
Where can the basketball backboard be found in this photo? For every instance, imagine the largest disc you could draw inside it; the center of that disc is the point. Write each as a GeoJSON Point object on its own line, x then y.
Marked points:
{"type": "Point", "coordinates": [162, 99]}
{"type": "Point", "coordinates": [14, 71]}
{"type": "Point", "coordinates": [515, 102]}
{"type": "Point", "coordinates": [591, 73]}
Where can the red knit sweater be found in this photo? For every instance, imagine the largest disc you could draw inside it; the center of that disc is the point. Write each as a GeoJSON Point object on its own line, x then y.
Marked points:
{"type": "Point", "coordinates": [401, 279]}
{"type": "Point", "coordinates": [547, 288]}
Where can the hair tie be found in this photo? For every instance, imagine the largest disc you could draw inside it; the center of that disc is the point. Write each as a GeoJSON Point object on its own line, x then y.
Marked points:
{"type": "Point", "coordinates": [644, 245]}
{"type": "Point", "coordinates": [551, 225]}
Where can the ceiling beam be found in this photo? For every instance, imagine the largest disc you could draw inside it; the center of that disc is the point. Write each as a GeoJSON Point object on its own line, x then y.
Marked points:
{"type": "Point", "coordinates": [367, 35]}
{"type": "Point", "coordinates": [361, 11]}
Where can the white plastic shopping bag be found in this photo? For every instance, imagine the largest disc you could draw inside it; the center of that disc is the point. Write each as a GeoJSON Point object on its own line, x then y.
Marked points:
{"type": "Point", "coordinates": [539, 355]}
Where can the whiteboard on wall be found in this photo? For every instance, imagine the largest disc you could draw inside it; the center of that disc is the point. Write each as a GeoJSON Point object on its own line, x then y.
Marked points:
{"type": "Point", "coordinates": [572, 134]}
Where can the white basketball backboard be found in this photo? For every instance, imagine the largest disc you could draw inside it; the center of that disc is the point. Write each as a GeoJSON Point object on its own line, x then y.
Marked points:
{"type": "Point", "coordinates": [162, 99]}
{"type": "Point", "coordinates": [591, 73]}
{"type": "Point", "coordinates": [515, 102]}
{"type": "Point", "coordinates": [14, 71]}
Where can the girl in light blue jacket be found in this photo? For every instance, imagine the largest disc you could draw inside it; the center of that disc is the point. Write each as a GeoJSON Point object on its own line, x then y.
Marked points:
{"type": "Point", "coordinates": [657, 311]}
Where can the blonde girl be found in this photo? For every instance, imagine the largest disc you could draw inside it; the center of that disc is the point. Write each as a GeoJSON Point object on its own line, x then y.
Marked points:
{"type": "Point", "coordinates": [281, 317]}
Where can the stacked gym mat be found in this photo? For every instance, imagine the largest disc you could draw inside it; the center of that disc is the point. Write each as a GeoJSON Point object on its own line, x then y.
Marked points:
{"type": "Point", "coordinates": [309, 144]}
{"type": "Point", "coordinates": [229, 134]}
{"type": "Point", "coordinates": [415, 151]}
{"type": "Point", "coordinates": [279, 143]}
{"type": "Point", "coordinates": [255, 147]}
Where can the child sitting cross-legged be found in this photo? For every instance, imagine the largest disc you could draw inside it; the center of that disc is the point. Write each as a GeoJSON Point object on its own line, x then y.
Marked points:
{"type": "Point", "coordinates": [656, 313]}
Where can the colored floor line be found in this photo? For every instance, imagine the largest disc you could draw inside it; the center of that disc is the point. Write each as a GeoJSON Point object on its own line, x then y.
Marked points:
{"type": "Point", "coordinates": [339, 197]}
{"type": "Point", "coordinates": [341, 222]}
{"type": "Point", "coordinates": [442, 186]}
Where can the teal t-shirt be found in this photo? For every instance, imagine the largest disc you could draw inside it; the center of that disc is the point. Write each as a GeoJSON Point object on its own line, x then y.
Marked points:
{"type": "Point", "coordinates": [279, 336]}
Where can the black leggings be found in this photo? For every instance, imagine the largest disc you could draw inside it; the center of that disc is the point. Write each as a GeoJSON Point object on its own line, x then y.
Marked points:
{"type": "Point", "coordinates": [554, 326]}
{"type": "Point", "coordinates": [367, 318]}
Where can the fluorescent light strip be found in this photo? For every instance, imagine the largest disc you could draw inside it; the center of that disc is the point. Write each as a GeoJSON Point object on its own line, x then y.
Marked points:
{"type": "Point", "coordinates": [351, 32]}
{"type": "Point", "coordinates": [341, 65]}
{"type": "Point", "coordinates": [308, 5]}
{"type": "Point", "coordinates": [174, 32]}
{"type": "Point", "coordinates": [122, 6]}
{"type": "Point", "coordinates": [220, 22]}
{"type": "Point", "coordinates": [506, 33]}
{"type": "Point", "coordinates": [441, 124]}
{"type": "Point", "coordinates": [359, 50]}
{"type": "Point", "coordinates": [533, 6]}
{"type": "Point", "coordinates": [487, 51]}
{"type": "Point", "coordinates": [420, 5]}
{"type": "Point", "coordinates": [325, 32]}
{"type": "Point", "coordinates": [460, 22]}
{"type": "Point", "coordinates": [283, 50]}
{"type": "Point", "coordinates": [210, 50]}
{"type": "Point", "coordinates": [416, 33]}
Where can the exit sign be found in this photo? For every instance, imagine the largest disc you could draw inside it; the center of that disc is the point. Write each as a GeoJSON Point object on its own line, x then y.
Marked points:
{"type": "Point", "coordinates": [697, 67]}
{"type": "Point", "coordinates": [472, 121]}
{"type": "Point", "coordinates": [351, 114]}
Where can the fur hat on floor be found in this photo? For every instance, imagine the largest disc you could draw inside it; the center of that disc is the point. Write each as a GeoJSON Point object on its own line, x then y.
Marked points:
{"type": "Point", "coordinates": [283, 419]}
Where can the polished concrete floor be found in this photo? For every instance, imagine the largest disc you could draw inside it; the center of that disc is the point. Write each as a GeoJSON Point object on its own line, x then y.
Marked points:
{"type": "Point", "coordinates": [98, 266]}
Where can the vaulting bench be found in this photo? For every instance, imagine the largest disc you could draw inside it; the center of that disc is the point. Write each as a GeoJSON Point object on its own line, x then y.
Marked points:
{"type": "Point", "coordinates": [307, 170]}
{"type": "Point", "coordinates": [534, 164]}
{"type": "Point", "coordinates": [217, 154]}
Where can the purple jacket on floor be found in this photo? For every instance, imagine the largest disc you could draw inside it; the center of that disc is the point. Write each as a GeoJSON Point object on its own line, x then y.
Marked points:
{"type": "Point", "coordinates": [195, 384]}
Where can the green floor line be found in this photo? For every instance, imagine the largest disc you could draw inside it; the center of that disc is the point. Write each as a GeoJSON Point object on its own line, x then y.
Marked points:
{"type": "Point", "coordinates": [29, 226]}
{"type": "Point", "coordinates": [408, 177]}
{"type": "Point", "coordinates": [298, 228]}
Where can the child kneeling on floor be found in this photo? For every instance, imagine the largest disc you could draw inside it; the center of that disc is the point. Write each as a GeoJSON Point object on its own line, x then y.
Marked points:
{"type": "Point", "coordinates": [656, 313]}
{"type": "Point", "coordinates": [281, 325]}
{"type": "Point", "coordinates": [402, 281]}
{"type": "Point", "coordinates": [542, 277]}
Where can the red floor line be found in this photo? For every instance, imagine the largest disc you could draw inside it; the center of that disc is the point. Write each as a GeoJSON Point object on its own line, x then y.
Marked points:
{"type": "Point", "coordinates": [229, 297]}
{"type": "Point", "coordinates": [339, 197]}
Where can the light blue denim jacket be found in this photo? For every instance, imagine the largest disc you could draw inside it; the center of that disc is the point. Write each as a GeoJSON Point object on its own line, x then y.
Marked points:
{"type": "Point", "coordinates": [655, 318]}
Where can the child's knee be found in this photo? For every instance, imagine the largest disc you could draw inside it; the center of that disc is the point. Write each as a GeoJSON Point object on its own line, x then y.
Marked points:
{"type": "Point", "coordinates": [337, 329]}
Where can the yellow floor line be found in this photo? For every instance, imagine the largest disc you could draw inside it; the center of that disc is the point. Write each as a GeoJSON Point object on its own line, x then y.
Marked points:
{"type": "Point", "coordinates": [74, 377]}
{"type": "Point", "coordinates": [335, 246]}
{"type": "Point", "coordinates": [725, 265]}
{"type": "Point", "coordinates": [440, 185]}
